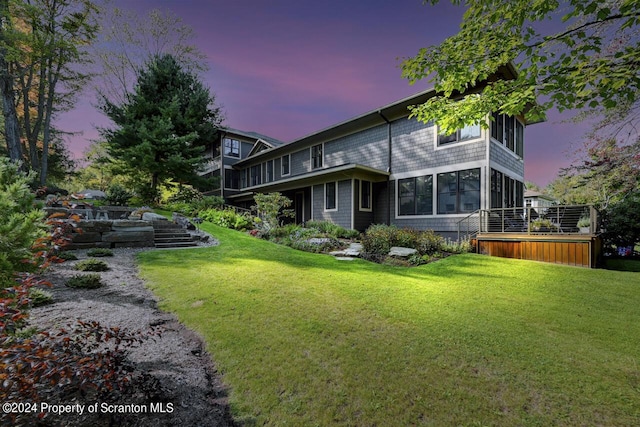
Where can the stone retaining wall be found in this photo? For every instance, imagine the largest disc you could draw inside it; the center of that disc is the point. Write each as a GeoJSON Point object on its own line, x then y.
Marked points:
{"type": "Point", "coordinates": [113, 234]}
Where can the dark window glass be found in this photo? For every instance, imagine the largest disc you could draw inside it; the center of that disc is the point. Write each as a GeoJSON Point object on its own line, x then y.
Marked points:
{"type": "Point", "coordinates": [415, 196]}
{"type": "Point", "coordinates": [496, 189]}
{"type": "Point", "coordinates": [232, 179]}
{"type": "Point", "coordinates": [285, 164]}
{"type": "Point", "coordinates": [365, 194]}
{"type": "Point", "coordinates": [316, 156]}
{"type": "Point", "coordinates": [330, 193]}
{"type": "Point", "coordinates": [231, 147]}
{"type": "Point", "coordinates": [519, 139]}
{"type": "Point", "coordinates": [256, 175]}
{"type": "Point", "coordinates": [468, 132]}
{"type": "Point", "coordinates": [459, 192]}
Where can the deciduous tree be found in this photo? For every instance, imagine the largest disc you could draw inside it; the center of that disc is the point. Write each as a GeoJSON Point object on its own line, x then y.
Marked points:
{"type": "Point", "coordinates": [130, 41]}
{"type": "Point", "coordinates": [591, 61]}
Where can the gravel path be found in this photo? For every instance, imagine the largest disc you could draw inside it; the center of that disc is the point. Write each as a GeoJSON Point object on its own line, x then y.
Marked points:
{"type": "Point", "coordinates": [175, 365]}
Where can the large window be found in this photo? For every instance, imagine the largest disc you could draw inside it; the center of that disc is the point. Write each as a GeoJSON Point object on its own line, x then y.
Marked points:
{"type": "Point", "coordinates": [232, 179]}
{"type": "Point", "coordinates": [459, 192]}
{"type": "Point", "coordinates": [464, 134]}
{"type": "Point", "coordinates": [508, 131]}
{"type": "Point", "coordinates": [284, 162]}
{"type": "Point", "coordinates": [255, 175]}
{"type": "Point", "coordinates": [505, 191]}
{"type": "Point", "coordinates": [415, 196]}
{"type": "Point", "coordinates": [316, 156]}
{"type": "Point", "coordinates": [231, 147]}
{"type": "Point", "coordinates": [330, 196]}
{"type": "Point", "coordinates": [365, 195]}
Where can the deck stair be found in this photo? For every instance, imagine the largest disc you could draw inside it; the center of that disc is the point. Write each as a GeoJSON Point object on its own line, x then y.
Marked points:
{"type": "Point", "coordinates": [168, 234]}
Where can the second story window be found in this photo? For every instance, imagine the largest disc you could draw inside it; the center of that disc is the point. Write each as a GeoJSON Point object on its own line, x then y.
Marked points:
{"type": "Point", "coordinates": [286, 159]}
{"type": "Point", "coordinates": [508, 131]}
{"type": "Point", "coordinates": [231, 147]}
{"type": "Point", "coordinates": [464, 134]}
{"type": "Point", "coordinates": [316, 156]}
{"type": "Point", "coordinates": [269, 171]}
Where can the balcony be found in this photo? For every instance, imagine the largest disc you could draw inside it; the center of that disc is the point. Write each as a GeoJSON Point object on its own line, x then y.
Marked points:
{"type": "Point", "coordinates": [211, 165]}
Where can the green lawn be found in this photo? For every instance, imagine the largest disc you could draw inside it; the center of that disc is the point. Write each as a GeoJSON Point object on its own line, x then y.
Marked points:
{"type": "Point", "coordinates": [304, 339]}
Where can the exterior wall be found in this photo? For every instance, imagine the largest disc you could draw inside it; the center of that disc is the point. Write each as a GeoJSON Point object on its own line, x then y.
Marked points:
{"type": "Point", "coordinates": [446, 225]}
{"type": "Point", "coordinates": [415, 148]}
{"type": "Point", "coordinates": [342, 215]}
{"type": "Point", "coordinates": [368, 148]}
{"type": "Point", "coordinates": [506, 161]}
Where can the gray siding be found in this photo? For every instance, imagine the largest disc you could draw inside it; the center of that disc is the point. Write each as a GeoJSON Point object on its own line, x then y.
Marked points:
{"type": "Point", "coordinates": [368, 148]}
{"type": "Point", "coordinates": [300, 162]}
{"type": "Point", "coordinates": [506, 159]}
{"type": "Point", "coordinates": [342, 216]}
{"type": "Point", "coordinates": [414, 148]}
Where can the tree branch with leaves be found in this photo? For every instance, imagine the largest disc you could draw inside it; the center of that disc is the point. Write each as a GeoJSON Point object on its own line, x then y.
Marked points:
{"type": "Point", "coordinates": [592, 62]}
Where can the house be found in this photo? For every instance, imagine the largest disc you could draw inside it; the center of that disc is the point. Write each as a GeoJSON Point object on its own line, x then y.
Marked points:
{"type": "Point", "coordinates": [535, 199]}
{"type": "Point", "coordinates": [230, 146]}
{"type": "Point", "coordinates": [384, 167]}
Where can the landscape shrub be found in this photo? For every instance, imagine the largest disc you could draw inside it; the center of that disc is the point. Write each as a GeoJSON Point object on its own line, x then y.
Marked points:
{"type": "Point", "coordinates": [405, 237]}
{"type": "Point", "coordinates": [271, 209]}
{"type": "Point", "coordinates": [332, 230]}
{"type": "Point", "coordinates": [39, 297]}
{"type": "Point", "coordinates": [428, 242]}
{"type": "Point", "coordinates": [196, 206]}
{"type": "Point", "coordinates": [228, 218]}
{"type": "Point", "coordinates": [117, 195]}
{"type": "Point", "coordinates": [99, 252]}
{"type": "Point", "coordinates": [456, 247]}
{"type": "Point", "coordinates": [379, 238]}
{"type": "Point", "coordinates": [67, 256]}
{"type": "Point", "coordinates": [85, 281]}
{"type": "Point", "coordinates": [21, 223]}
{"type": "Point", "coordinates": [92, 265]}
{"type": "Point", "coordinates": [185, 194]}
{"type": "Point", "coordinates": [314, 245]}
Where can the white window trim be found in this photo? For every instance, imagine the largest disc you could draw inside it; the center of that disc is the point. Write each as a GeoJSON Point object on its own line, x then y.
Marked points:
{"type": "Point", "coordinates": [311, 157]}
{"type": "Point", "coordinates": [281, 165]}
{"type": "Point", "coordinates": [370, 208]}
{"type": "Point", "coordinates": [324, 200]}
{"type": "Point", "coordinates": [437, 146]}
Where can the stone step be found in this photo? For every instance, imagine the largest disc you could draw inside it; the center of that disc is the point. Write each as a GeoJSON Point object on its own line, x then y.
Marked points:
{"type": "Point", "coordinates": [170, 233]}
{"type": "Point", "coordinates": [173, 239]}
{"type": "Point", "coordinates": [176, 245]}
{"type": "Point", "coordinates": [164, 225]}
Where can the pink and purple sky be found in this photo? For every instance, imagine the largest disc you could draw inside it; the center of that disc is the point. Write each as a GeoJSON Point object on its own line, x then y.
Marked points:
{"type": "Point", "coordinates": [288, 68]}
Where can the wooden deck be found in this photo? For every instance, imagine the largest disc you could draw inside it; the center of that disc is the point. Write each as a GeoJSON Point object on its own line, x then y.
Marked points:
{"type": "Point", "coordinates": [582, 250]}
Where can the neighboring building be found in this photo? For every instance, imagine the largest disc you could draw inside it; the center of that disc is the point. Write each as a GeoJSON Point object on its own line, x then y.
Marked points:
{"type": "Point", "coordinates": [231, 146]}
{"type": "Point", "coordinates": [535, 199]}
{"type": "Point", "coordinates": [382, 167]}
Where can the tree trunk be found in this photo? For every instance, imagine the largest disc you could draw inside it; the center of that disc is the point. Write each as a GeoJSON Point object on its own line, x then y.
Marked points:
{"type": "Point", "coordinates": [12, 130]}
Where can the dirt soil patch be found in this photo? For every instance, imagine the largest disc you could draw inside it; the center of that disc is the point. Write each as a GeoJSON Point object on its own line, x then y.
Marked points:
{"type": "Point", "coordinates": [174, 372]}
